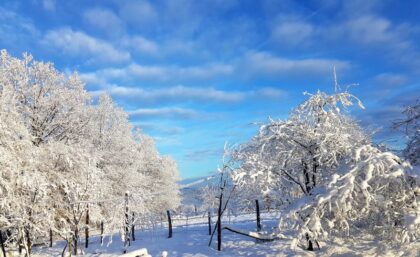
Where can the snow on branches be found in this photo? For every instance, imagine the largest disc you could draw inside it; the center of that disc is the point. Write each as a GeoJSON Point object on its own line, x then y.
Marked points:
{"type": "Point", "coordinates": [324, 166]}
{"type": "Point", "coordinates": [410, 125]}
{"type": "Point", "coordinates": [61, 155]}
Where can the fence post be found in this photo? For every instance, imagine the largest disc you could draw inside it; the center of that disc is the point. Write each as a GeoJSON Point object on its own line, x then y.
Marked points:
{"type": "Point", "coordinates": [209, 223]}
{"type": "Point", "coordinates": [169, 224]}
{"type": "Point", "coordinates": [51, 238]}
{"type": "Point", "coordinates": [102, 232]}
{"type": "Point", "coordinates": [2, 244]}
{"type": "Point", "coordinates": [219, 223]}
{"type": "Point", "coordinates": [127, 236]}
{"type": "Point", "coordinates": [133, 237]}
{"type": "Point", "coordinates": [87, 228]}
{"type": "Point", "coordinates": [257, 205]}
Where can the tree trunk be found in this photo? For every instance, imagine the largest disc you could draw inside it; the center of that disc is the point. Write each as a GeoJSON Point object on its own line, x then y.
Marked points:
{"type": "Point", "coordinates": [75, 240]}
{"type": "Point", "coordinates": [133, 229]}
{"type": "Point", "coordinates": [219, 224]}
{"type": "Point", "coordinates": [209, 218]}
{"type": "Point", "coordinates": [257, 205]}
{"type": "Point", "coordinates": [126, 230]}
{"type": "Point", "coordinates": [102, 232]}
{"type": "Point", "coordinates": [87, 228]}
{"type": "Point", "coordinates": [310, 245]}
{"type": "Point", "coordinates": [314, 170]}
{"type": "Point", "coordinates": [2, 244]}
{"type": "Point", "coordinates": [307, 177]}
{"type": "Point", "coordinates": [263, 237]}
{"type": "Point", "coordinates": [28, 242]}
{"type": "Point", "coordinates": [169, 224]}
{"type": "Point", "coordinates": [51, 238]}
{"type": "Point", "coordinates": [64, 249]}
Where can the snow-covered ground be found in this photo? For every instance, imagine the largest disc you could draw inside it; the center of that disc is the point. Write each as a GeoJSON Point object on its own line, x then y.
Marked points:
{"type": "Point", "coordinates": [192, 241]}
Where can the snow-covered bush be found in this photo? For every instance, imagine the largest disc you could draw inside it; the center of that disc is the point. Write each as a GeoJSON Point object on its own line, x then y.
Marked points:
{"type": "Point", "coordinates": [322, 163]}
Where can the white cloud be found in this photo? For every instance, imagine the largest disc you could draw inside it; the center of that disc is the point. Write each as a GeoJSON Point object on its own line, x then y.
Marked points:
{"type": "Point", "coordinates": [168, 112]}
{"type": "Point", "coordinates": [175, 93]}
{"type": "Point", "coordinates": [207, 71]}
{"type": "Point", "coordinates": [18, 28]}
{"type": "Point", "coordinates": [390, 80]}
{"type": "Point", "coordinates": [146, 71]}
{"type": "Point", "coordinates": [138, 12]}
{"type": "Point", "coordinates": [182, 93]}
{"type": "Point", "coordinates": [269, 93]}
{"type": "Point", "coordinates": [292, 32]}
{"type": "Point", "coordinates": [161, 128]}
{"type": "Point", "coordinates": [262, 63]}
{"type": "Point", "coordinates": [368, 30]}
{"type": "Point", "coordinates": [48, 5]}
{"type": "Point", "coordinates": [141, 44]}
{"type": "Point", "coordinates": [105, 20]}
{"type": "Point", "coordinates": [136, 71]}
{"type": "Point", "coordinates": [77, 43]}
{"type": "Point", "coordinates": [91, 78]}
{"type": "Point", "coordinates": [175, 72]}
{"type": "Point", "coordinates": [197, 155]}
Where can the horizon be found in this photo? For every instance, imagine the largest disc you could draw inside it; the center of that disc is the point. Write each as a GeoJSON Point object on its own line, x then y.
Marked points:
{"type": "Point", "coordinates": [194, 75]}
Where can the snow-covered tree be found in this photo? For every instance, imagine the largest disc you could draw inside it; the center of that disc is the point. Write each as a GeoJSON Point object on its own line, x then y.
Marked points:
{"type": "Point", "coordinates": [322, 163]}
{"type": "Point", "coordinates": [410, 125]}
{"type": "Point", "coordinates": [208, 195]}
{"type": "Point", "coordinates": [161, 173]}
{"type": "Point", "coordinates": [22, 189]}
{"type": "Point", "coordinates": [61, 156]}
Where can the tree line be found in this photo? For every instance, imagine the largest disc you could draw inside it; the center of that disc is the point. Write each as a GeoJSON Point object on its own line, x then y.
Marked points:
{"type": "Point", "coordinates": [63, 152]}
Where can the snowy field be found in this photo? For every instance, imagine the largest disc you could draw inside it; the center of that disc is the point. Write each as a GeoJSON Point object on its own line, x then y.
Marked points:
{"type": "Point", "coordinates": [192, 241]}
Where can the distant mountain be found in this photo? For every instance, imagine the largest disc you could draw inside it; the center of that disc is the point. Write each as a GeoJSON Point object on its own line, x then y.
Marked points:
{"type": "Point", "coordinates": [191, 189]}
{"type": "Point", "coordinates": [197, 182]}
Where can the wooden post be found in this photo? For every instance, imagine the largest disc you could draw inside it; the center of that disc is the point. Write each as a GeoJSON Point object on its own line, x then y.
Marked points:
{"type": "Point", "coordinates": [2, 244]}
{"type": "Point", "coordinates": [127, 223]}
{"type": "Point", "coordinates": [257, 205]}
{"type": "Point", "coordinates": [169, 224]}
{"type": "Point", "coordinates": [219, 224]}
{"type": "Point", "coordinates": [102, 232]}
{"type": "Point", "coordinates": [209, 223]}
{"type": "Point", "coordinates": [51, 238]}
{"type": "Point", "coordinates": [133, 236]}
{"type": "Point", "coordinates": [87, 228]}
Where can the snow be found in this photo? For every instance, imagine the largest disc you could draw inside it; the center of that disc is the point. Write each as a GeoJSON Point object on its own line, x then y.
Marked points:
{"type": "Point", "coordinates": [64, 155]}
{"type": "Point", "coordinates": [67, 161]}
{"type": "Point", "coordinates": [192, 241]}
{"type": "Point", "coordinates": [137, 253]}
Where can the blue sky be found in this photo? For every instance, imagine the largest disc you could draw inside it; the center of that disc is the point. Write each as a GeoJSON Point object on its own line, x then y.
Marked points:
{"type": "Point", "coordinates": [197, 74]}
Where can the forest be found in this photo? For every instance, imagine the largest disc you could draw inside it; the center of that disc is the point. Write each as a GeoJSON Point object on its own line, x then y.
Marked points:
{"type": "Point", "coordinates": [71, 162]}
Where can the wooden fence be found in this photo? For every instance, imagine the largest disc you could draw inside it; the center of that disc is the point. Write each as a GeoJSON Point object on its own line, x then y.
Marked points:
{"type": "Point", "coordinates": [202, 222]}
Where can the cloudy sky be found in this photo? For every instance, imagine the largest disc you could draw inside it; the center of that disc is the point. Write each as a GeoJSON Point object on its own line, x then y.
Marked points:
{"type": "Point", "coordinates": [197, 74]}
